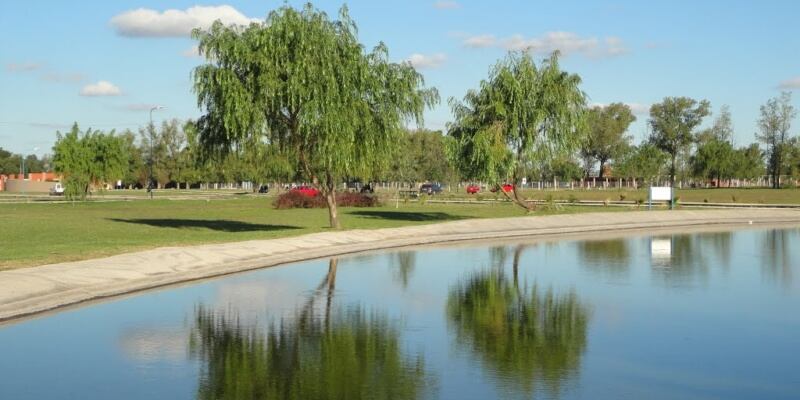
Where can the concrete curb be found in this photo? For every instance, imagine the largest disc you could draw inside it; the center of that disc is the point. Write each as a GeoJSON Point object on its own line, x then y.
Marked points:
{"type": "Point", "coordinates": [33, 290]}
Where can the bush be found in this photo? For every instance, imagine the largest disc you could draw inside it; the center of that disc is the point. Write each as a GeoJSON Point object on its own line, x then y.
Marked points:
{"type": "Point", "coordinates": [357, 200]}
{"type": "Point", "coordinates": [293, 199]}
{"type": "Point", "coordinates": [572, 198]}
{"type": "Point", "coordinates": [622, 197]}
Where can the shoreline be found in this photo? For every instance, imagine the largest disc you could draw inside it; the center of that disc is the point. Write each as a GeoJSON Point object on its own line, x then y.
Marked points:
{"type": "Point", "coordinates": [35, 290]}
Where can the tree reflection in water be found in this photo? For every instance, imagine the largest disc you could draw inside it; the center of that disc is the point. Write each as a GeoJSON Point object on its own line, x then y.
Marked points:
{"type": "Point", "coordinates": [777, 256]}
{"type": "Point", "coordinates": [606, 257]}
{"type": "Point", "coordinates": [342, 354]}
{"type": "Point", "coordinates": [521, 335]}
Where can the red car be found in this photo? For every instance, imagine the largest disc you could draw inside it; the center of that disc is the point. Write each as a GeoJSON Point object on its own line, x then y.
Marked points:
{"type": "Point", "coordinates": [472, 189]}
{"type": "Point", "coordinates": [309, 191]}
{"type": "Point", "coordinates": [507, 187]}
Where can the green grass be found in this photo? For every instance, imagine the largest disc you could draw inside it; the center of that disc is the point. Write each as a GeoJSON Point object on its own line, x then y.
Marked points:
{"type": "Point", "coordinates": [41, 233]}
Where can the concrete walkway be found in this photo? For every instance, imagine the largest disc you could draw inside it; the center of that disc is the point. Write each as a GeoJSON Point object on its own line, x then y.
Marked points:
{"type": "Point", "coordinates": [36, 289]}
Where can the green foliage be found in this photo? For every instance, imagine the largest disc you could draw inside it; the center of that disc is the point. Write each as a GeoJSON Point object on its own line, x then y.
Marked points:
{"type": "Point", "coordinates": [715, 159]}
{"type": "Point", "coordinates": [774, 126]}
{"type": "Point", "coordinates": [528, 336]}
{"type": "Point", "coordinates": [722, 130]}
{"type": "Point", "coordinates": [349, 354]}
{"type": "Point", "coordinates": [303, 82]}
{"type": "Point", "coordinates": [11, 163]}
{"type": "Point", "coordinates": [521, 113]}
{"type": "Point", "coordinates": [420, 157]}
{"type": "Point", "coordinates": [644, 161]}
{"type": "Point", "coordinates": [89, 158]}
{"type": "Point", "coordinates": [673, 122]}
{"type": "Point", "coordinates": [606, 127]}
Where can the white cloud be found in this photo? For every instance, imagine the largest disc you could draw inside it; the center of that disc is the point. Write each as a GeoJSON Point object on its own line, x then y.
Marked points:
{"type": "Point", "coordinates": [145, 22]}
{"type": "Point", "coordinates": [790, 84]}
{"type": "Point", "coordinates": [101, 88]}
{"type": "Point", "coordinates": [446, 5]}
{"type": "Point", "coordinates": [427, 61]}
{"type": "Point", "coordinates": [566, 42]}
{"type": "Point", "coordinates": [480, 41]}
{"type": "Point", "coordinates": [22, 67]}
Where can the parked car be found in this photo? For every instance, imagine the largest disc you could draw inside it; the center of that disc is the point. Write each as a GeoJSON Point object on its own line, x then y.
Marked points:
{"type": "Point", "coordinates": [430, 188]}
{"type": "Point", "coordinates": [507, 187]}
{"type": "Point", "coordinates": [57, 190]}
{"type": "Point", "coordinates": [473, 189]}
{"type": "Point", "coordinates": [263, 189]}
{"type": "Point", "coordinates": [309, 191]}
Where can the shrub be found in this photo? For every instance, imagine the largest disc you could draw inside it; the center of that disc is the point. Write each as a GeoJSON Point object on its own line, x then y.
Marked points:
{"type": "Point", "coordinates": [705, 200]}
{"type": "Point", "coordinates": [572, 198]}
{"type": "Point", "coordinates": [622, 197]}
{"type": "Point", "coordinates": [734, 198]}
{"type": "Point", "coordinates": [293, 199]}
{"type": "Point", "coordinates": [357, 200]}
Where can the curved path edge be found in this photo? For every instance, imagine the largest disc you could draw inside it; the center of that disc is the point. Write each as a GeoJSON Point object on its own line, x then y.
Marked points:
{"type": "Point", "coordinates": [32, 290]}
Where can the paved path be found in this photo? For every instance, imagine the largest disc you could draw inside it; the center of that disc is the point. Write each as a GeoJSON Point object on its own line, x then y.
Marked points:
{"type": "Point", "coordinates": [31, 290]}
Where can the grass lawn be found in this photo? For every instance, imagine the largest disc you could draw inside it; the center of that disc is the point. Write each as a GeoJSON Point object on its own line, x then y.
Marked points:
{"type": "Point", "coordinates": [41, 233]}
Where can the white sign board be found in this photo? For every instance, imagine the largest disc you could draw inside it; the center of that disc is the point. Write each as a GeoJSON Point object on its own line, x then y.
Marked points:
{"type": "Point", "coordinates": [659, 193]}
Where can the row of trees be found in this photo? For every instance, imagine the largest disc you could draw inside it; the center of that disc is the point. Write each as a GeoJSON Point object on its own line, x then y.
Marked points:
{"type": "Point", "coordinates": [12, 163]}
{"type": "Point", "coordinates": [297, 97]}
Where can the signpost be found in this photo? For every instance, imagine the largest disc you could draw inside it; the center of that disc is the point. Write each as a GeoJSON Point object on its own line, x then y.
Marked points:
{"type": "Point", "coordinates": [659, 193]}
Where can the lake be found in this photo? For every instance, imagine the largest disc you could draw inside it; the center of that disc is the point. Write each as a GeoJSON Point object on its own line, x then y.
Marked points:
{"type": "Point", "coordinates": [706, 315]}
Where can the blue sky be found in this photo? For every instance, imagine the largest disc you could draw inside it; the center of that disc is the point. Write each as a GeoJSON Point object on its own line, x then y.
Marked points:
{"type": "Point", "coordinates": [104, 63]}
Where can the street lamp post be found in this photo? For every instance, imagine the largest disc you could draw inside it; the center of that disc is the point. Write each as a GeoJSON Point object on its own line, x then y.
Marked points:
{"type": "Point", "coordinates": [150, 183]}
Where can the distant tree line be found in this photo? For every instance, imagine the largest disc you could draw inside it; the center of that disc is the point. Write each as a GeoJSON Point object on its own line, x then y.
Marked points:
{"type": "Point", "coordinates": [299, 98]}
{"type": "Point", "coordinates": [11, 163]}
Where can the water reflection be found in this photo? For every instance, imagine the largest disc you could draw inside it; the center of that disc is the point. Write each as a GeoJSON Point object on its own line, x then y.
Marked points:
{"type": "Point", "coordinates": [522, 336]}
{"type": "Point", "coordinates": [610, 257]}
{"type": "Point", "coordinates": [345, 353]}
{"type": "Point", "coordinates": [776, 254]}
{"type": "Point", "coordinates": [402, 264]}
{"type": "Point", "coordinates": [679, 260]}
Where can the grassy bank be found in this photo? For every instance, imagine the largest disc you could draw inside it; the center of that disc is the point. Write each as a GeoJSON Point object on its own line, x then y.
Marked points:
{"type": "Point", "coordinates": [41, 233]}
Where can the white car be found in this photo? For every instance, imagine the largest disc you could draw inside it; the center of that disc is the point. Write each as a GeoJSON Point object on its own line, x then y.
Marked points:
{"type": "Point", "coordinates": [57, 190]}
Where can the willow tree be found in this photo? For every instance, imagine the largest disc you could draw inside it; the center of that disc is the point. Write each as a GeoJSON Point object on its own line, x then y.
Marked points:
{"type": "Point", "coordinates": [521, 112]}
{"type": "Point", "coordinates": [304, 82]}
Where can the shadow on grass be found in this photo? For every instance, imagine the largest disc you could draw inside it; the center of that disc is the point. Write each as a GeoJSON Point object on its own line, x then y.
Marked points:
{"type": "Point", "coordinates": [216, 225]}
{"type": "Point", "coordinates": [407, 216]}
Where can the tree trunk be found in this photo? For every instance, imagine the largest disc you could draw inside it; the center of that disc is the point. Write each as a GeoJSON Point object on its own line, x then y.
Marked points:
{"type": "Point", "coordinates": [600, 174]}
{"type": "Point", "coordinates": [330, 198]}
{"type": "Point", "coordinates": [672, 172]}
{"type": "Point", "coordinates": [514, 197]}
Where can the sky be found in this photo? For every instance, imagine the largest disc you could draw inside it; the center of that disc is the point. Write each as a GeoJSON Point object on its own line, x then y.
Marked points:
{"type": "Point", "coordinates": [104, 64]}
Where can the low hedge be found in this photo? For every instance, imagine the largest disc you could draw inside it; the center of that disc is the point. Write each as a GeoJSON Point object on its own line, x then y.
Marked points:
{"type": "Point", "coordinates": [294, 199]}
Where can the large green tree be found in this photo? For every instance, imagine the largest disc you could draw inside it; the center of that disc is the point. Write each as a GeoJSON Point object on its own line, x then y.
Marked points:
{"type": "Point", "coordinates": [606, 139]}
{"type": "Point", "coordinates": [645, 161]}
{"type": "Point", "coordinates": [774, 125]}
{"type": "Point", "coordinates": [304, 82]}
{"type": "Point", "coordinates": [88, 158]}
{"type": "Point", "coordinates": [521, 113]}
{"type": "Point", "coordinates": [715, 159]}
{"type": "Point", "coordinates": [673, 122]}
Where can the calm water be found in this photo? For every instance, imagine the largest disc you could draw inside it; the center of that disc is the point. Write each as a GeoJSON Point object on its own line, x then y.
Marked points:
{"type": "Point", "coordinates": [709, 315]}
